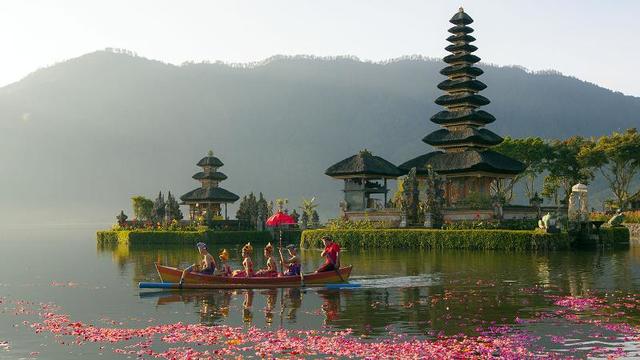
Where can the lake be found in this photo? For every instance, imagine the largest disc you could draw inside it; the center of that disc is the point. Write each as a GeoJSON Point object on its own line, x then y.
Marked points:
{"type": "Point", "coordinates": [565, 303]}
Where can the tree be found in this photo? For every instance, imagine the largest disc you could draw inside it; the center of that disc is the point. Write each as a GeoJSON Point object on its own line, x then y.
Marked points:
{"type": "Point", "coordinates": [158, 211]}
{"type": "Point", "coordinates": [250, 208]}
{"type": "Point", "coordinates": [618, 158]}
{"type": "Point", "coordinates": [550, 188]}
{"type": "Point", "coordinates": [295, 215]}
{"type": "Point", "coordinates": [142, 207]}
{"type": "Point", "coordinates": [315, 219]}
{"type": "Point", "coordinates": [532, 152]}
{"type": "Point", "coordinates": [565, 164]}
{"type": "Point", "coordinates": [308, 207]}
{"type": "Point", "coordinates": [304, 220]}
{"type": "Point", "coordinates": [281, 203]}
{"type": "Point", "coordinates": [263, 206]}
{"type": "Point", "coordinates": [172, 209]}
{"type": "Point", "coordinates": [270, 207]}
{"type": "Point", "coordinates": [243, 213]}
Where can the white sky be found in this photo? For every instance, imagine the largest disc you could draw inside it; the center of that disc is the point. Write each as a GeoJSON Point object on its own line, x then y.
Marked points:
{"type": "Point", "coordinates": [596, 41]}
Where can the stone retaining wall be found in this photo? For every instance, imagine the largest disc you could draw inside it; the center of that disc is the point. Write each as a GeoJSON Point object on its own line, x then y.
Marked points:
{"type": "Point", "coordinates": [634, 229]}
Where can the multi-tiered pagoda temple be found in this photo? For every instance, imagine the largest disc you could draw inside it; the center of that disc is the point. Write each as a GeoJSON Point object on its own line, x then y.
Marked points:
{"type": "Point", "coordinates": [465, 158]}
{"type": "Point", "coordinates": [209, 198]}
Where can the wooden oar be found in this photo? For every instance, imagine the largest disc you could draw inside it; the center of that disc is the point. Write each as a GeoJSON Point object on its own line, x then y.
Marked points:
{"type": "Point", "coordinates": [184, 272]}
{"type": "Point", "coordinates": [338, 272]}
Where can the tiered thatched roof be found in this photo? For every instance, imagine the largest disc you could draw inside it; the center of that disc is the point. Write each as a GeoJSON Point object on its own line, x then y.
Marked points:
{"type": "Point", "coordinates": [364, 164]}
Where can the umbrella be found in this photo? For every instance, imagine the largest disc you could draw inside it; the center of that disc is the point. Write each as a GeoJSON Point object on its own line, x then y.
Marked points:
{"type": "Point", "coordinates": [277, 220]}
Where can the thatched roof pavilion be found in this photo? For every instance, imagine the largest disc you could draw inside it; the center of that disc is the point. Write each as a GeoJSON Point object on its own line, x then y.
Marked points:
{"type": "Point", "coordinates": [361, 173]}
{"type": "Point", "coordinates": [364, 164]}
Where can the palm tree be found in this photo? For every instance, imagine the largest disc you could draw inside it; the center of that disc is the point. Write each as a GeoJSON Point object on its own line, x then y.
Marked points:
{"type": "Point", "coordinates": [308, 208]}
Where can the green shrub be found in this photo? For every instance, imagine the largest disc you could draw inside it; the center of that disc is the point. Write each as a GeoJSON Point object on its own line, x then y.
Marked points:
{"type": "Point", "coordinates": [599, 216]}
{"type": "Point", "coordinates": [439, 239]}
{"type": "Point", "coordinates": [632, 217]}
{"type": "Point", "coordinates": [184, 237]}
{"type": "Point", "coordinates": [614, 235]}
{"type": "Point", "coordinates": [345, 224]}
{"type": "Point", "coordinates": [510, 224]}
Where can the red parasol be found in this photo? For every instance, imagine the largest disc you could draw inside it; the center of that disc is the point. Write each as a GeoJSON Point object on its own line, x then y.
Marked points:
{"type": "Point", "coordinates": [279, 219]}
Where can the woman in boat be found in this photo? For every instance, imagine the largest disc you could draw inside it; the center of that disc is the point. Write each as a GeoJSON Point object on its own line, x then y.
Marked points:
{"type": "Point", "coordinates": [331, 253]}
{"type": "Point", "coordinates": [247, 264]}
{"type": "Point", "coordinates": [208, 264]}
{"type": "Point", "coordinates": [225, 269]}
{"type": "Point", "coordinates": [272, 269]}
{"type": "Point", "coordinates": [293, 263]}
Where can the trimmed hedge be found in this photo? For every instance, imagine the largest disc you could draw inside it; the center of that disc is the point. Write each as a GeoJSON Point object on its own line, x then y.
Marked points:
{"type": "Point", "coordinates": [614, 235]}
{"type": "Point", "coordinates": [440, 239]}
{"type": "Point", "coordinates": [179, 237]}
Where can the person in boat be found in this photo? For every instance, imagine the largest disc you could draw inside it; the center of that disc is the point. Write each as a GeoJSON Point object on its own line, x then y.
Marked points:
{"type": "Point", "coordinates": [247, 263]}
{"type": "Point", "coordinates": [224, 269]}
{"type": "Point", "coordinates": [331, 253]}
{"type": "Point", "coordinates": [293, 263]}
{"type": "Point", "coordinates": [208, 263]}
{"type": "Point", "coordinates": [272, 269]}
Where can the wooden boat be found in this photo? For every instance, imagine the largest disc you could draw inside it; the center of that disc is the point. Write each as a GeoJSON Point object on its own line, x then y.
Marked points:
{"type": "Point", "coordinates": [170, 274]}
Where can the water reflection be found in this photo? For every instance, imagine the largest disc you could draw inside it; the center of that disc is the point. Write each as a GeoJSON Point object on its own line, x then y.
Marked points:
{"type": "Point", "coordinates": [418, 292]}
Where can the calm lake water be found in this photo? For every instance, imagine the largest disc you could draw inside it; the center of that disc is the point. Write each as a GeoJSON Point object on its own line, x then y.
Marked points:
{"type": "Point", "coordinates": [414, 292]}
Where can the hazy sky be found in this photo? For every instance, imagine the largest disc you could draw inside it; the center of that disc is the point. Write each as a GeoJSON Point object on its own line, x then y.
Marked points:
{"type": "Point", "coordinates": [595, 41]}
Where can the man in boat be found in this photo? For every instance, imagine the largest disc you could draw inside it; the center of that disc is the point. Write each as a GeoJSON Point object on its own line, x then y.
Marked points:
{"type": "Point", "coordinates": [247, 263]}
{"type": "Point", "coordinates": [331, 253]}
{"type": "Point", "coordinates": [208, 264]}
{"type": "Point", "coordinates": [271, 270]}
{"type": "Point", "coordinates": [293, 263]}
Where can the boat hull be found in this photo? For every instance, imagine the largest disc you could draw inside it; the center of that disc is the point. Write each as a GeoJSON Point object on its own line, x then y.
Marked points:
{"type": "Point", "coordinates": [170, 274]}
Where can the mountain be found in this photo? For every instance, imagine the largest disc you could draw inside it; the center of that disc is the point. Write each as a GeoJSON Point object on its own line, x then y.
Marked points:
{"type": "Point", "coordinates": [79, 138]}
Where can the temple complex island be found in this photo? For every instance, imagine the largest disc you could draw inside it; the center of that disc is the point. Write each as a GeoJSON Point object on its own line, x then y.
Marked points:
{"type": "Point", "coordinates": [464, 158]}
{"type": "Point", "coordinates": [463, 179]}
{"type": "Point", "coordinates": [365, 186]}
{"type": "Point", "coordinates": [208, 199]}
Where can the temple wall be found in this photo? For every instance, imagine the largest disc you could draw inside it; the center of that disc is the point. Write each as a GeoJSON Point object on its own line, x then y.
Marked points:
{"type": "Point", "coordinates": [466, 215]}
{"type": "Point", "coordinates": [387, 215]}
{"type": "Point", "coordinates": [634, 230]}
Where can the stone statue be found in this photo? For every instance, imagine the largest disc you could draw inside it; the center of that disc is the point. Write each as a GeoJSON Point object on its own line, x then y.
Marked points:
{"type": "Point", "coordinates": [260, 219]}
{"type": "Point", "coordinates": [578, 204]}
{"type": "Point", "coordinates": [344, 207]}
{"type": "Point", "coordinates": [434, 200]}
{"type": "Point", "coordinates": [498, 211]}
{"type": "Point", "coordinates": [617, 219]}
{"type": "Point", "coordinates": [122, 218]}
{"type": "Point", "coordinates": [548, 223]}
{"type": "Point", "coordinates": [410, 194]}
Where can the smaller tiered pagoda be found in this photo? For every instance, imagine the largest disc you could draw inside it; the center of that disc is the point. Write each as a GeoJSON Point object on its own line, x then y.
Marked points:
{"type": "Point", "coordinates": [209, 198]}
{"type": "Point", "coordinates": [365, 176]}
